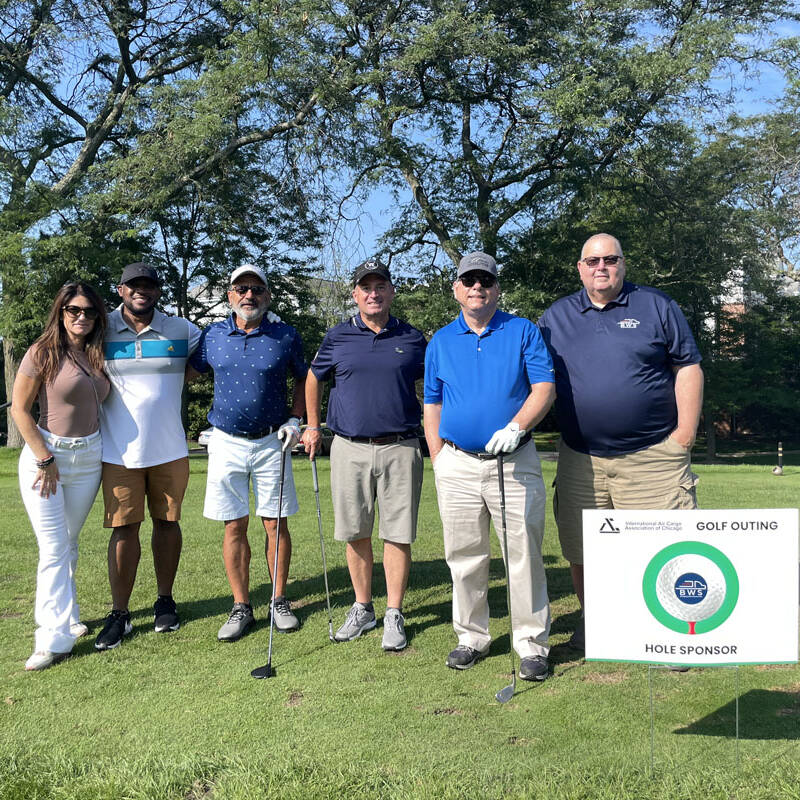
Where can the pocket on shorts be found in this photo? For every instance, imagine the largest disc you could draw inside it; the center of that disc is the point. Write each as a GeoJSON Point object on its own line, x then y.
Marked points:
{"type": "Point", "coordinates": [675, 447]}
{"type": "Point", "coordinates": [687, 492]}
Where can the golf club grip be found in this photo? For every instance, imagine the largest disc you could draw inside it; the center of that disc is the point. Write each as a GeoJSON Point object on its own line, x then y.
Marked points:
{"type": "Point", "coordinates": [314, 475]}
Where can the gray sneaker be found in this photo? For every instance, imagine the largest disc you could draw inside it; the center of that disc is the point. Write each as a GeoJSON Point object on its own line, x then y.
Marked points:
{"type": "Point", "coordinates": [240, 619]}
{"type": "Point", "coordinates": [359, 620]}
{"type": "Point", "coordinates": [285, 620]}
{"type": "Point", "coordinates": [394, 633]}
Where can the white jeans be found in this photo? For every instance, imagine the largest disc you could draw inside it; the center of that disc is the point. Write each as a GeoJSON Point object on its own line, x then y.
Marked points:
{"type": "Point", "coordinates": [469, 497]}
{"type": "Point", "coordinates": [57, 520]}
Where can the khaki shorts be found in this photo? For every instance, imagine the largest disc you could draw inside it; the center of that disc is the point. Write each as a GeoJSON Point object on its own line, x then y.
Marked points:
{"type": "Point", "coordinates": [362, 473]}
{"type": "Point", "coordinates": [658, 477]}
{"type": "Point", "coordinates": [124, 491]}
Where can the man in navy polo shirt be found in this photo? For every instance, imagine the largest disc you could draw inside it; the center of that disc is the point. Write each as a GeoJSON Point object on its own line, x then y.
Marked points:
{"type": "Point", "coordinates": [372, 361]}
{"type": "Point", "coordinates": [251, 356]}
{"type": "Point", "coordinates": [629, 392]}
{"type": "Point", "coordinates": [488, 381]}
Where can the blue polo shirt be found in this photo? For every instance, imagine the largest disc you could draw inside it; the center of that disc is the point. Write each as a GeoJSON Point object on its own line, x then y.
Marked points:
{"type": "Point", "coordinates": [372, 377]}
{"type": "Point", "coordinates": [615, 389]}
{"type": "Point", "coordinates": [250, 371]}
{"type": "Point", "coordinates": [482, 381]}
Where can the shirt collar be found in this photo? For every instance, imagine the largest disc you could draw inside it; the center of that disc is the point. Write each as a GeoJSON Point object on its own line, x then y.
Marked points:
{"type": "Point", "coordinates": [359, 323]}
{"type": "Point", "coordinates": [620, 300]}
{"type": "Point", "coordinates": [156, 324]}
{"type": "Point", "coordinates": [495, 323]}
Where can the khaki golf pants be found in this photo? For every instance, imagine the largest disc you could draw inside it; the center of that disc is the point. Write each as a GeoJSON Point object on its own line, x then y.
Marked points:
{"type": "Point", "coordinates": [469, 497]}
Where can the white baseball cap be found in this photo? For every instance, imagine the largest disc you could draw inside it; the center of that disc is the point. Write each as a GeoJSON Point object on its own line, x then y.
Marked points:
{"type": "Point", "coordinates": [251, 269]}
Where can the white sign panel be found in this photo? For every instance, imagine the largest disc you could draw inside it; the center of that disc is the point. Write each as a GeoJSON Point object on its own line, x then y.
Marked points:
{"type": "Point", "coordinates": [691, 587]}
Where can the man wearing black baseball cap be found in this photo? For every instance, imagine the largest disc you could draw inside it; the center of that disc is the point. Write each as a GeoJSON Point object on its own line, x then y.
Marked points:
{"type": "Point", "coordinates": [144, 444]}
{"type": "Point", "coordinates": [372, 361]}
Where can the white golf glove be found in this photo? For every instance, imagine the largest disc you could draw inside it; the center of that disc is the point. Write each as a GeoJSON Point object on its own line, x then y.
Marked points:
{"type": "Point", "coordinates": [289, 433]}
{"type": "Point", "coordinates": [272, 317]}
{"type": "Point", "coordinates": [505, 440]}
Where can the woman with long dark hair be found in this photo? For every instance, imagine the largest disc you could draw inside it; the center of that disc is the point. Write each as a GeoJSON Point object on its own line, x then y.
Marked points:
{"type": "Point", "coordinates": [60, 465]}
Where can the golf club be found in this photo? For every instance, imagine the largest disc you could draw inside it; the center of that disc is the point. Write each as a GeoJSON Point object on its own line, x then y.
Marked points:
{"type": "Point", "coordinates": [322, 546]}
{"type": "Point", "coordinates": [507, 692]}
{"type": "Point", "coordinates": [266, 671]}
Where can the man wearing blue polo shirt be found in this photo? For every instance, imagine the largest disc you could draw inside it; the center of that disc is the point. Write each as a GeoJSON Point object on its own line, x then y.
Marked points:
{"type": "Point", "coordinates": [251, 357]}
{"type": "Point", "coordinates": [488, 381]}
{"type": "Point", "coordinates": [629, 393]}
{"type": "Point", "coordinates": [372, 361]}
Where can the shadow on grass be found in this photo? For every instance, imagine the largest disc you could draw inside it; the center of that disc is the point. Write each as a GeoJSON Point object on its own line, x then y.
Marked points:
{"type": "Point", "coordinates": [763, 714]}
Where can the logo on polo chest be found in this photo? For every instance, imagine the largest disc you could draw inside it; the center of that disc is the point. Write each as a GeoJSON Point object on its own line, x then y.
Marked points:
{"type": "Point", "coordinates": [629, 323]}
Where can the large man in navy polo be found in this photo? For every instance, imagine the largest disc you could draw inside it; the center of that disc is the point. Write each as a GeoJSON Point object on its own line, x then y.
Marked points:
{"type": "Point", "coordinates": [488, 381]}
{"type": "Point", "coordinates": [629, 392]}
{"type": "Point", "coordinates": [252, 356]}
{"type": "Point", "coordinates": [372, 362]}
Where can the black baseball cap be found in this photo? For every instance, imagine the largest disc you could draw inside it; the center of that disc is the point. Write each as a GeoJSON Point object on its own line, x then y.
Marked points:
{"type": "Point", "coordinates": [140, 270]}
{"type": "Point", "coordinates": [369, 267]}
{"type": "Point", "coordinates": [477, 261]}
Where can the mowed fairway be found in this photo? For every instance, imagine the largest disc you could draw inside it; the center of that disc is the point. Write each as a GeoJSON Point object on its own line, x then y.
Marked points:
{"type": "Point", "coordinates": [178, 715]}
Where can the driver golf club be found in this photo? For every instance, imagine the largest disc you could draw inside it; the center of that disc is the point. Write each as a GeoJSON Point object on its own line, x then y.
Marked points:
{"type": "Point", "coordinates": [507, 692]}
{"type": "Point", "coordinates": [266, 671]}
{"type": "Point", "coordinates": [322, 546]}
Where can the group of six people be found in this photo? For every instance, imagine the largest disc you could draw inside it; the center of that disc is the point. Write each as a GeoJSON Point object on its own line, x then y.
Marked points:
{"type": "Point", "coordinates": [617, 358]}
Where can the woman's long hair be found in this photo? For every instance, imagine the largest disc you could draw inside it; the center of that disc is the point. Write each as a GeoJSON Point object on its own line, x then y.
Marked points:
{"type": "Point", "coordinates": [52, 347]}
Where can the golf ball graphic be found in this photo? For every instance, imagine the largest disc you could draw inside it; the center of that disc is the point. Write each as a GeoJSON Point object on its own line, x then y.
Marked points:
{"type": "Point", "coordinates": [690, 587]}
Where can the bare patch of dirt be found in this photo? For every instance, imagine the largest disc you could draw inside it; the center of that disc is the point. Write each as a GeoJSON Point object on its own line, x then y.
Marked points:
{"type": "Point", "coordinates": [295, 699]}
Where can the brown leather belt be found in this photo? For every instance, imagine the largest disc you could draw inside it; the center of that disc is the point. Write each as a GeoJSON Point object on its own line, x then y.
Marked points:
{"type": "Point", "coordinates": [488, 456]}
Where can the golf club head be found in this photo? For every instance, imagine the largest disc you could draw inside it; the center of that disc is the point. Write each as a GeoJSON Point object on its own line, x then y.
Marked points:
{"type": "Point", "coordinates": [330, 632]}
{"type": "Point", "coordinates": [263, 672]}
{"type": "Point", "coordinates": [505, 694]}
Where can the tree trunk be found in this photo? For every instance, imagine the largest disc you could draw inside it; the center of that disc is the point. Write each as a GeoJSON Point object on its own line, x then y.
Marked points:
{"type": "Point", "coordinates": [11, 366]}
{"type": "Point", "coordinates": [711, 438]}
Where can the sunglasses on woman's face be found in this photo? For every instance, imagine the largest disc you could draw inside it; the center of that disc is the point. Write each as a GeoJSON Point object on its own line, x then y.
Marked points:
{"type": "Point", "coordinates": [75, 311]}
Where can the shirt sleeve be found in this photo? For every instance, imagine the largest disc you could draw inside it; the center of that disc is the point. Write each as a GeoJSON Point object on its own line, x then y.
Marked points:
{"type": "Point", "coordinates": [28, 364]}
{"type": "Point", "coordinates": [194, 334]}
{"type": "Point", "coordinates": [433, 384]}
{"type": "Point", "coordinates": [679, 341]}
{"type": "Point", "coordinates": [322, 364]}
{"type": "Point", "coordinates": [199, 357]}
{"type": "Point", "coordinates": [538, 363]}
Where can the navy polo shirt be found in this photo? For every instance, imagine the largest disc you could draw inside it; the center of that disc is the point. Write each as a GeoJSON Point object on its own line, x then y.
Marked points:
{"type": "Point", "coordinates": [615, 389]}
{"type": "Point", "coordinates": [372, 377]}
{"type": "Point", "coordinates": [250, 371]}
{"type": "Point", "coordinates": [483, 381]}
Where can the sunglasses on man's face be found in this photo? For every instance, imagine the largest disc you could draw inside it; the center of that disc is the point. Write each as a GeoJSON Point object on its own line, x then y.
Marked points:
{"type": "Point", "coordinates": [242, 289]}
{"type": "Point", "coordinates": [483, 278]}
{"type": "Point", "coordinates": [594, 261]}
{"type": "Point", "coordinates": [75, 311]}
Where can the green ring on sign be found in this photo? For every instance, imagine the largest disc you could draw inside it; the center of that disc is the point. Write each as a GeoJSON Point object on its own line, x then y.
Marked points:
{"type": "Point", "coordinates": [657, 563]}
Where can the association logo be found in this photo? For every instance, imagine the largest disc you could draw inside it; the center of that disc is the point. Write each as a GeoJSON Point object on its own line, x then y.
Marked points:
{"type": "Point", "coordinates": [629, 323]}
{"type": "Point", "coordinates": [690, 587]}
{"type": "Point", "coordinates": [608, 526]}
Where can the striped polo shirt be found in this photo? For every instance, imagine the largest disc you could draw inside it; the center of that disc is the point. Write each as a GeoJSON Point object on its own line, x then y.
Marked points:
{"type": "Point", "coordinates": [141, 419]}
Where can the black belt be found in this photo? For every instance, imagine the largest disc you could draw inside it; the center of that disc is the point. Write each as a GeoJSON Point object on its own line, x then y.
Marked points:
{"type": "Point", "coordinates": [254, 434]}
{"type": "Point", "coordinates": [488, 456]}
{"type": "Point", "coordinates": [389, 438]}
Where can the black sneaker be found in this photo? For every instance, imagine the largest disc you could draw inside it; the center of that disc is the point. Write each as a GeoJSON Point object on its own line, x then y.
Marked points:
{"type": "Point", "coordinates": [118, 624]}
{"type": "Point", "coordinates": [463, 657]}
{"type": "Point", "coordinates": [166, 614]}
{"type": "Point", "coordinates": [534, 668]}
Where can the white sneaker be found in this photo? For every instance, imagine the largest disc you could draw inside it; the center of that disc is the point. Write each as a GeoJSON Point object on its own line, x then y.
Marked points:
{"type": "Point", "coordinates": [78, 629]}
{"type": "Point", "coordinates": [44, 659]}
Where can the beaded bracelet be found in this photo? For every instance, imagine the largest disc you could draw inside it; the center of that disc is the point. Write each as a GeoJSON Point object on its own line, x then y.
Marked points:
{"type": "Point", "coordinates": [46, 462]}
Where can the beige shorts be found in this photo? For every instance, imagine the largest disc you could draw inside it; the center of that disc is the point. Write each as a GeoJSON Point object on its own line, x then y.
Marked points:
{"type": "Point", "coordinates": [658, 477]}
{"type": "Point", "coordinates": [124, 491]}
{"type": "Point", "coordinates": [362, 473]}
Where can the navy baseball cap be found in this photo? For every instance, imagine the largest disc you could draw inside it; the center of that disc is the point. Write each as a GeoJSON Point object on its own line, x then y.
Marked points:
{"type": "Point", "coordinates": [369, 267]}
{"type": "Point", "coordinates": [140, 270]}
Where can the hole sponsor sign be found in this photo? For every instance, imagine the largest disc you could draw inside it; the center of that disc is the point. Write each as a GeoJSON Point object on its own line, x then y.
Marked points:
{"type": "Point", "coordinates": [691, 587]}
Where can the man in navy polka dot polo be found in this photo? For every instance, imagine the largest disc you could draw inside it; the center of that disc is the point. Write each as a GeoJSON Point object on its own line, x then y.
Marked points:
{"type": "Point", "coordinates": [252, 354]}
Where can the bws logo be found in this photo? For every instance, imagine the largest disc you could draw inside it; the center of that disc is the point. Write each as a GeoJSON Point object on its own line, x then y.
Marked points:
{"type": "Point", "coordinates": [690, 587]}
{"type": "Point", "coordinates": [629, 323]}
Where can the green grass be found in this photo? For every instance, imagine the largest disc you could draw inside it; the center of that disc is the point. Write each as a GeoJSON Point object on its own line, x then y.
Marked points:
{"type": "Point", "coordinates": [178, 716]}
